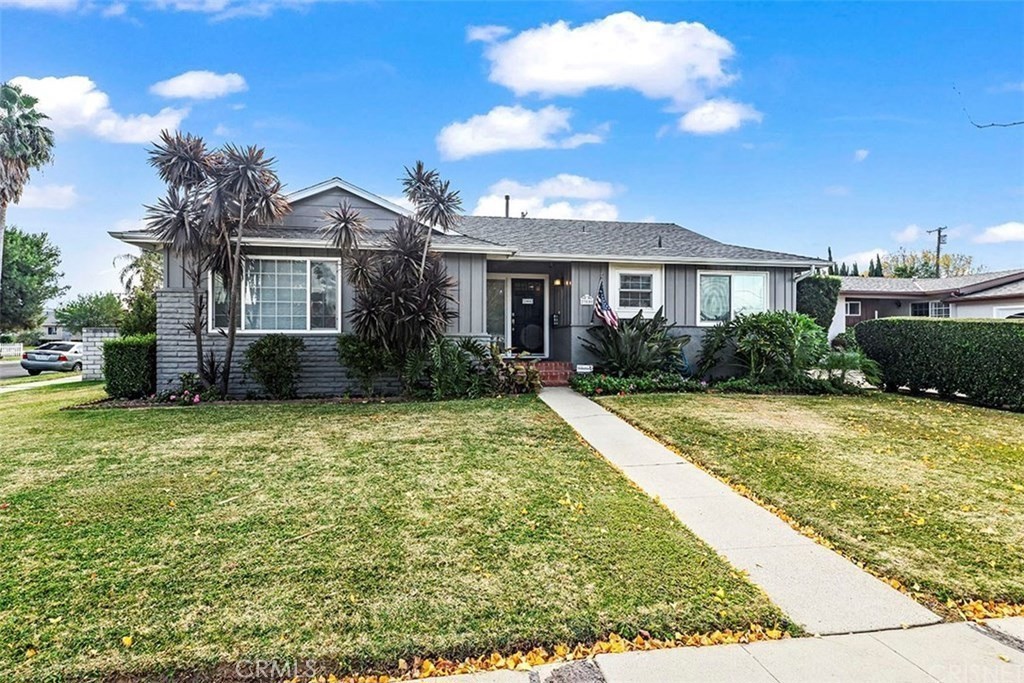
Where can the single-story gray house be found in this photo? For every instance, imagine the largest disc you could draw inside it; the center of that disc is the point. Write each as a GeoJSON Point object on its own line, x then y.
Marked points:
{"type": "Point", "coordinates": [528, 283]}
{"type": "Point", "coordinates": [998, 294]}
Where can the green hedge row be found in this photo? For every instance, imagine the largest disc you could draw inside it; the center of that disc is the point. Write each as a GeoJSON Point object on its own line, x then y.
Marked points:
{"type": "Point", "coordinates": [129, 366]}
{"type": "Point", "coordinates": [981, 359]}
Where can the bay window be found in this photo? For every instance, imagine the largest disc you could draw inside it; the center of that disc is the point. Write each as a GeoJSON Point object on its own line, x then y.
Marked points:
{"type": "Point", "coordinates": [282, 295]}
{"type": "Point", "coordinates": [721, 296]}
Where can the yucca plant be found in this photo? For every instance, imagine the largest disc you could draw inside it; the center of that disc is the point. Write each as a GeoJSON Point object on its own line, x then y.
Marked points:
{"type": "Point", "coordinates": [637, 346]}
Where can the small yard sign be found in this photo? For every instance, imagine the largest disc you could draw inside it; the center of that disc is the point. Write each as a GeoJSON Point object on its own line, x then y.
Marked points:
{"type": "Point", "coordinates": [584, 369]}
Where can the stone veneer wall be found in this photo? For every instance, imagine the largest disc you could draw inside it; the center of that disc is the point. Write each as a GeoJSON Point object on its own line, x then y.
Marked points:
{"type": "Point", "coordinates": [92, 350]}
{"type": "Point", "coordinates": [321, 374]}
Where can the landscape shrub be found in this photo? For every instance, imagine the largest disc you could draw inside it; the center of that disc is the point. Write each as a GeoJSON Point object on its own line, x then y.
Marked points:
{"type": "Point", "coordinates": [466, 368]}
{"type": "Point", "coordinates": [591, 384]}
{"type": "Point", "coordinates": [817, 297]}
{"type": "Point", "coordinates": [129, 366]}
{"type": "Point", "coordinates": [273, 363]}
{"type": "Point", "coordinates": [189, 392]}
{"type": "Point", "coordinates": [845, 341]}
{"type": "Point", "coordinates": [364, 361]}
{"type": "Point", "coordinates": [637, 346]}
{"type": "Point", "coordinates": [29, 338]}
{"type": "Point", "coordinates": [769, 347]}
{"type": "Point", "coordinates": [980, 359]}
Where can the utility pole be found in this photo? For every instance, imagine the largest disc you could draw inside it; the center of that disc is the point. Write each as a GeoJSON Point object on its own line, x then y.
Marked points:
{"type": "Point", "coordinates": [940, 239]}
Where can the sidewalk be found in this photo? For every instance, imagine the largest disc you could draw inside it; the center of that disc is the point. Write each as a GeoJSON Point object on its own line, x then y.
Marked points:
{"type": "Point", "coordinates": [819, 589]}
{"type": "Point", "coordinates": [42, 383]}
{"type": "Point", "coordinates": [942, 652]}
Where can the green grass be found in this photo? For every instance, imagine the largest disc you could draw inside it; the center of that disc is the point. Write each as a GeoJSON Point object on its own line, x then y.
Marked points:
{"type": "Point", "coordinates": [438, 529]}
{"type": "Point", "coordinates": [44, 377]}
{"type": "Point", "coordinates": [925, 491]}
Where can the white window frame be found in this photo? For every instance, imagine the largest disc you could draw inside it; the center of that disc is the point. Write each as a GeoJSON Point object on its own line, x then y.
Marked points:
{"type": "Point", "coordinates": [732, 299]}
{"type": "Point", "coordinates": [657, 274]}
{"type": "Point", "coordinates": [932, 305]}
{"type": "Point", "coordinates": [212, 327]}
{"type": "Point", "coordinates": [849, 309]}
{"type": "Point", "coordinates": [508, 277]}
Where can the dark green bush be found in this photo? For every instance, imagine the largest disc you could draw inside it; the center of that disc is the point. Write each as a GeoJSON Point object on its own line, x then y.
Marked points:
{"type": "Point", "coordinates": [364, 361]}
{"type": "Point", "coordinates": [603, 385]}
{"type": "Point", "coordinates": [129, 366]}
{"type": "Point", "coordinates": [636, 347]}
{"type": "Point", "coordinates": [981, 359]}
{"type": "Point", "coordinates": [845, 341]}
{"type": "Point", "coordinates": [273, 363]}
{"type": "Point", "coordinates": [770, 347]}
{"type": "Point", "coordinates": [467, 368]}
{"type": "Point", "coordinates": [817, 297]}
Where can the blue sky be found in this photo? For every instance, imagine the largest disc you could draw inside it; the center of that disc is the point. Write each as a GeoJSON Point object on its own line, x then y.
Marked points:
{"type": "Point", "coordinates": [791, 126]}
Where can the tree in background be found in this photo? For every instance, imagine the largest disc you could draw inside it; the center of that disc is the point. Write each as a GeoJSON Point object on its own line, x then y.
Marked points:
{"type": "Point", "coordinates": [90, 310]}
{"type": "Point", "coordinates": [31, 277]}
{"type": "Point", "coordinates": [140, 276]}
{"type": "Point", "coordinates": [25, 144]}
{"type": "Point", "coordinates": [906, 264]}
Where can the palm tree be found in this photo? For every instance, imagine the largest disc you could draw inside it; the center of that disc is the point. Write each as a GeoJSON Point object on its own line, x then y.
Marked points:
{"type": "Point", "coordinates": [435, 204]}
{"type": "Point", "coordinates": [181, 161]}
{"type": "Point", "coordinates": [25, 144]}
{"type": "Point", "coordinates": [140, 271]}
{"type": "Point", "coordinates": [343, 227]}
{"type": "Point", "coordinates": [244, 192]}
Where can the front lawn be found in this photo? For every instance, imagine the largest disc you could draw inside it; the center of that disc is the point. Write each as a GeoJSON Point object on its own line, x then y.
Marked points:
{"type": "Point", "coordinates": [925, 491]}
{"type": "Point", "coordinates": [145, 541]}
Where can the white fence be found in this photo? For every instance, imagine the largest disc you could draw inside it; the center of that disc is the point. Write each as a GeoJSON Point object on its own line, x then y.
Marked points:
{"type": "Point", "coordinates": [14, 350]}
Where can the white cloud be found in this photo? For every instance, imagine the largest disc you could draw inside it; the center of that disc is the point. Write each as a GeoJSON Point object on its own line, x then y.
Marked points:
{"type": "Point", "coordinates": [486, 34]}
{"type": "Point", "coordinates": [222, 131]}
{"type": "Point", "coordinates": [1009, 86]}
{"type": "Point", "coordinates": [51, 5]}
{"type": "Point", "coordinates": [535, 199]}
{"type": "Point", "coordinates": [718, 116]}
{"type": "Point", "coordinates": [911, 233]}
{"type": "Point", "coordinates": [48, 197]}
{"type": "Point", "coordinates": [401, 200]}
{"type": "Point", "coordinates": [200, 85]}
{"type": "Point", "coordinates": [1012, 231]}
{"type": "Point", "coordinates": [861, 155]}
{"type": "Point", "coordinates": [680, 62]}
{"type": "Point", "coordinates": [512, 128]}
{"type": "Point", "coordinates": [75, 103]}
{"type": "Point", "coordinates": [863, 258]}
{"type": "Point", "coordinates": [116, 9]}
{"type": "Point", "coordinates": [837, 191]}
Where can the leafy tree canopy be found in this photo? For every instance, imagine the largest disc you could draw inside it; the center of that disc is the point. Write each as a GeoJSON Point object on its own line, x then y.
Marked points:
{"type": "Point", "coordinates": [30, 277]}
{"type": "Point", "coordinates": [90, 310]}
{"type": "Point", "coordinates": [905, 264]}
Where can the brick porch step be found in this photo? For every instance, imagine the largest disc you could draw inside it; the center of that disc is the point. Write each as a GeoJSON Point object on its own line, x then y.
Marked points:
{"type": "Point", "coordinates": [554, 373]}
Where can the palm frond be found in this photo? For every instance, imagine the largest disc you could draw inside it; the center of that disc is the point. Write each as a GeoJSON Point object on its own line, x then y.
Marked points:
{"type": "Point", "coordinates": [343, 227]}
{"type": "Point", "coordinates": [180, 159]}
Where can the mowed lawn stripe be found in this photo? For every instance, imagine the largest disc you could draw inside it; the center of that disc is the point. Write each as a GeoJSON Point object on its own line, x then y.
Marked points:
{"type": "Point", "coordinates": [349, 534]}
{"type": "Point", "coordinates": [925, 491]}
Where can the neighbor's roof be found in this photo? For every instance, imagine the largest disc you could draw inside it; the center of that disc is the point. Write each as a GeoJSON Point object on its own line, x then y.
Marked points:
{"type": "Point", "coordinates": [615, 240]}
{"type": "Point", "coordinates": [928, 285]}
{"type": "Point", "coordinates": [1007, 291]}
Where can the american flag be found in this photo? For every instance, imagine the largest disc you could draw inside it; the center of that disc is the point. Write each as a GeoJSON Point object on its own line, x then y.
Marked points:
{"type": "Point", "coordinates": [603, 310]}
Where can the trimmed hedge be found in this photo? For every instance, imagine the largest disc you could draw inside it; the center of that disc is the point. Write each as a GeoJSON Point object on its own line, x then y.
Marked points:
{"type": "Point", "coordinates": [817, 296]}
{"type": "Point", "coordinates": [129, 366]}
{"type": "Point", "coordinates": [981, 359]}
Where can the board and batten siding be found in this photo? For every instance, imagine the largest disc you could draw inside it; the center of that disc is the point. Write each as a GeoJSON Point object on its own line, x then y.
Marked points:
{"type": "Point", "coordinates": [469, 271]}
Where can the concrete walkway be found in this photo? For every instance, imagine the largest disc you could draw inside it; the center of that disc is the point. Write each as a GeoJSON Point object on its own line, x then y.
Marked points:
{"type": "Point", "coordinates": [942, 652]}
{"type": "Point", "coordinates": [77, 377]}
{"type": "Point", "coordinates": [814, 586]}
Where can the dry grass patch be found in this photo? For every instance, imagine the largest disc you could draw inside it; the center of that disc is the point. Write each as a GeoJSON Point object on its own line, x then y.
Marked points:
{"type": "Point", "coordinates": [928, 492]}
{"type": "Point", "coordinates": [351, 535]}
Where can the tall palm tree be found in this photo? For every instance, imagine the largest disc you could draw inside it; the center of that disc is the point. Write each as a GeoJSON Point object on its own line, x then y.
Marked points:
{"type": "Point", "coordinates": [25, 144]}
{"type": "Point", "coordinates": [435, 204]}
{"type": "Point", "coordinates": [140, 271]}
{"type": "Point", "coordinates": [343, 227]}
{"type": "Point", "coordinates": [245, 192]}
{"type": "Point", "coordinates": [182, 161]}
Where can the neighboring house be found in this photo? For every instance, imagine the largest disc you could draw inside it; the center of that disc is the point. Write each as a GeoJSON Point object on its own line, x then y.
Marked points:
{"type": "Point", "coordinates": [984, 295]}
{"type": "Point", "coordinates": [51, 330]}
{"type": "Point", "coordinates": [527, 283]}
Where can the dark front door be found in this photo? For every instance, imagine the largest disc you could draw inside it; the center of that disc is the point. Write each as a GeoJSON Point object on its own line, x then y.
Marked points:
{"type": "Point", "coordinates": [528, 316]}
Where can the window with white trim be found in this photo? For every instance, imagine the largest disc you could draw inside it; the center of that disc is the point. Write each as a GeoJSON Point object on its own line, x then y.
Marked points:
{"type": "Point", "coordinates": [853, 308]}
{"type": "Point", "coordinates": [635, 288]}
{"type": "Point", "coordinates": [938, 309]}
{"type": "Point", "coordinates": [721, 296]}
{"type": "Point", "coordinates": [282, 295]}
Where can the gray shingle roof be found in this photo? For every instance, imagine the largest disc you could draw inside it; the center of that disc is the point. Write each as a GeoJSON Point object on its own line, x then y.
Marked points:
{"type": "Point", "coordinates": [1010, 289]}
{"type": "Point", "coordinates": [628, 240]}
{"type": "Point", "coordinates": [920, 286]}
